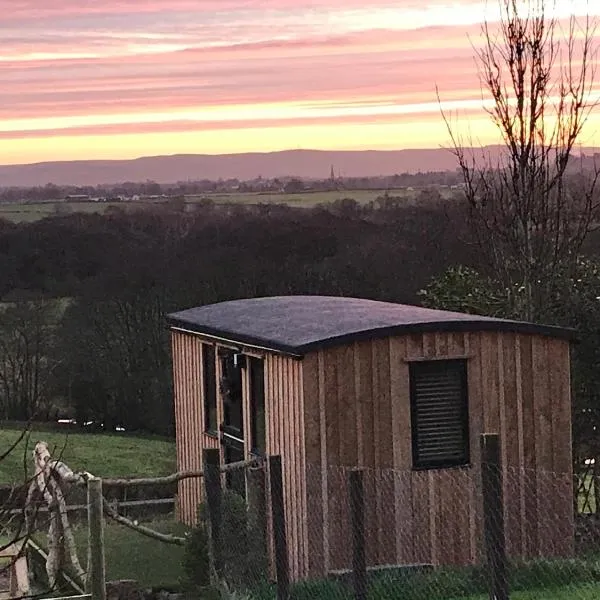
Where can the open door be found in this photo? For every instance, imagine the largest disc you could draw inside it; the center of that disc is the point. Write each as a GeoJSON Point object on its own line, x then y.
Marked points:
{"type": "Point", "coordinates": [232, 428]}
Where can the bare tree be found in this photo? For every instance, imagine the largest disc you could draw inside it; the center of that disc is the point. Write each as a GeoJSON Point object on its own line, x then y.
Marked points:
{"type": "Point", "coordinates": [533, 207]}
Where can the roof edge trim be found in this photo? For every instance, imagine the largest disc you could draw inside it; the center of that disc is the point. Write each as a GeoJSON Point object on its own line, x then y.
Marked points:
{"type": "Point", "coordinates": [377, 333]}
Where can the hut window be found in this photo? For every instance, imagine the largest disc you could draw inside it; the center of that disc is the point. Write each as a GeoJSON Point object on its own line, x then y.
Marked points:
{"type": "Point", "coordinates": [210, 388]}
{"type": "Point", "coordinates": [439, 414]}
{"type": "Point", "coordinates": [257, 405]}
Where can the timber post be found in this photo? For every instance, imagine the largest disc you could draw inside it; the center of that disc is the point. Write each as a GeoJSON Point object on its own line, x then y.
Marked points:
{"type": "Point", "coordinates": [493, 516]}
{"type": "Point", "coordinates": [96, 578]}
{"type": "Point", "coordinates": [279, 534]}
{"type": "Point", "coordinates": [212, 483]}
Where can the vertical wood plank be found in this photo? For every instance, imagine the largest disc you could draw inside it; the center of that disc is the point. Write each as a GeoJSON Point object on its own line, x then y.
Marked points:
{"type": "Point", "coordinates": [560, 387]}
{"type": "Point", "coordinates": [472, 345]}
{"type": "Point", "coordinates": [360, 460]}
{"type": "Point", "coordinates": [530, 537]}
{"type": "Point", "coordinates": [314, 488]}
{"type": "Point", "coordinates": [364, 356]}
{"type": "Point", "coordinates": [324, 462]}
{"type": "Point", "coordinates": [543, 457]}
{"type": "Point", "coordinates": [401, 439]}
{"type": "Point", "coordinates": [511, 457]}
{"type": "Point", "coordinates": [335, 478]}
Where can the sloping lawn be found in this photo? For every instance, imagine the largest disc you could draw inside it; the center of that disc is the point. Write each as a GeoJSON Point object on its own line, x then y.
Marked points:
{"type": "Point", "coordinates": [130, 555]}
{"type": "Point", "coordinates": [585, 591]}
{"type": "Point", "coordinates": [103, 454]}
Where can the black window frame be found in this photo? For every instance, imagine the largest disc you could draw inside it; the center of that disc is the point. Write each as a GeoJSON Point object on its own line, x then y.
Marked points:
{"type": "Point", "coordinates": [209, 388]}
{"type": "Point", "coordinates": [417, 369]}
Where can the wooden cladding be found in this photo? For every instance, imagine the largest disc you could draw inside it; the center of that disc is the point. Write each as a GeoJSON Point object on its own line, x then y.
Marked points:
{"type": "Point", "coordinates": [285, 433]}
{"type": "Point", "coordinates": [350, 406]}
{"type": "Point", "coordinates": [358, 413]}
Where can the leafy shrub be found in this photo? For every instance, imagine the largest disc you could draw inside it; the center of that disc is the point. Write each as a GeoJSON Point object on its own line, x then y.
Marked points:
{"type": "Point", "coordinates": [196, 565]}
{"type": "Point", "coordinates": [243, 549]}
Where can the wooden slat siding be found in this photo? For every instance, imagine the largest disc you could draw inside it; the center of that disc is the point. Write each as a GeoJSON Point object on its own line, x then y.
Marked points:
{"type": "Point", "coordinates": [188, 419]}
{"type": "Point", "coordinates": [374, 502]}
{"type": "Point", "coordinates": [284, 403]}
{"type": "Point", "coordinates": [324, 461]}
{"type": "Point", "coordinates": [472, 344]}
{"type": "Point", "coordinates": [347, 440]}
{"type": "Point", "coordinates": [460, 504]}
{"type": "Point", "coordinates": [337, 528]}
{"type": "Point", "coordinates": [401, 439]}
{"type": "Point", "coordinates": [364, 357]}
{"type": "Point", "coordinates": [358, 412]}
{"type": "Point", "coordinates": [421, 517]}
{"type": "Point", "coordinates": [385, 481]}
{"type": "Point", "coordinates": [346, 400]}
{"type": "Point", "coordinates": [300, 453]}
{"type": "Point", "coordinates": [490, 364]}
{"type": "Point", "coordinates": [448, 489]}
{"type": "Point", "coordinates": [179, 423]}
{"type": "Point", "coordinates": [312, 469]}
{"type": "Point", "coordinates": [502, 426]}
{"type": "Point", "coordinates": [270, 448]}
{"type": "Point", "coordinates": [511, 448]}
{"type": "Point", "coordinates": [420, 479]}
{"type": "Point", "coordinates": [522, 551]}
{"type": "Point", "coordinates": [561, 434]}
{"type": "Point", "coordinates": [430, 352]}
{"type": "Point", "coordinates": [302, 474]}
{"type": "Point", "coordinates": [445, 507]}
{"type": "Point", "coordinates": [543, 437]}
{"type": "Point", "coordinates": [529, 449]}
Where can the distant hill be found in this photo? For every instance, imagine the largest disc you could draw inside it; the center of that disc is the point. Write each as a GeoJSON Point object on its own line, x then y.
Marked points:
{"type": "Point", "coordinates": [182, 167]}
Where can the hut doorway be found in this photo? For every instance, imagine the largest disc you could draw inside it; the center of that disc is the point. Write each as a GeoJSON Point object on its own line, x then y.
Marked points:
{"type": "Point", "coordinates": [232, 427]}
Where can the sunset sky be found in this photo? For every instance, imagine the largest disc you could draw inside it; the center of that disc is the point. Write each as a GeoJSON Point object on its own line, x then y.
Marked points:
{"type": "Point", "coordinates": [126, 78]}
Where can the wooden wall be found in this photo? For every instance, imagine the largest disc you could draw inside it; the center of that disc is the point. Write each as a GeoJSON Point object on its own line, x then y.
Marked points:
{"type": "Point", "coordinates": [189, 420]}
{"type": "Point", "coordinates": [284, 419]}
{"type": "Point", "coordinates": [357, 412]}
{"type": "Point", "coordinates": [285, 436]}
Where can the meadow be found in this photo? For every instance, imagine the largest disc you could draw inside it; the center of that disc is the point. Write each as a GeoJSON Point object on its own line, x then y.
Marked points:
{"type": "Point", "coordinates": [103, 454]}
{"type": "Point", "coordinates": [28, 212]}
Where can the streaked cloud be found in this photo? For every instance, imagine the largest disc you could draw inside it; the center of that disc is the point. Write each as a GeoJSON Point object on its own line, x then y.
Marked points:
{"type": "Point", "coordinates": [80, 78]}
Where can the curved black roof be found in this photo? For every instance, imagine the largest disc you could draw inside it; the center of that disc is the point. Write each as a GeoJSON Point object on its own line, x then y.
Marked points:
{"type": "Point", "coordinates": [300, 324]}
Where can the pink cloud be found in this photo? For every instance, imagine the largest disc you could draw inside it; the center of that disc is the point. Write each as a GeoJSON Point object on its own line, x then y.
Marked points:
{"type": "Point", "coordinates": [92, 59]}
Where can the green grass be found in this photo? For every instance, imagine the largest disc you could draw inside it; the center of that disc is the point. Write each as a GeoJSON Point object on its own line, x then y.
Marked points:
{"type": "Point", "coordinates": [104, 455]}
{"type": "Point", "coordinates": [584, 591]}
{"type": "Point", "coordinates": [131, 555]}
{"type": "Point", "coordinates": [306, 199]}
{"type": "Point", "coordinates": [29, 212]}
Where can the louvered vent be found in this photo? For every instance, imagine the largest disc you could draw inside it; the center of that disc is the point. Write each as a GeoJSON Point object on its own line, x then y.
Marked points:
{"type": "Point", "coordinates": [439, 410]}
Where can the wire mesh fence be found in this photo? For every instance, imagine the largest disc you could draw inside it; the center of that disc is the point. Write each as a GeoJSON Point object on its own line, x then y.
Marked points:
{"type": "Point", "coordinates": [413, 535]}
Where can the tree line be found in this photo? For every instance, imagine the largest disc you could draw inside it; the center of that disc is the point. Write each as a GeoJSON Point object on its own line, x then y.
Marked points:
{"type": "Point", "coordinates": [82, 328]}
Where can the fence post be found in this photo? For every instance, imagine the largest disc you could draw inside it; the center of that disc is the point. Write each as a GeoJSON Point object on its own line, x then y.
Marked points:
{"type": "Point", "coordinates": [256, 485]}
{"type": "Point", "coordinates": [493, 516]}
{"type": "Point", "coordinates": [357, 515]}
{"type": "Point", "coordinates": [96, 578]}
{"type": "Point", "coordinates": [279, 535]}
{"type": "Point", "coordinates": [212, 483]}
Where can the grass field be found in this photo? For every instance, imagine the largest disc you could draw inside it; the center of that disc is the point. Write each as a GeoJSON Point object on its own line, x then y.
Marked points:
{"type": "Point", "coordinates": [29, 212]}
{"type": "Point", "coordinates": [303, 199]}
{"type": "Point", "coordinates": [589, 591]}
{"type": "Point", "coordinates": [104, 455]}
{"type": "Point", "coordinates": [130, 555]}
